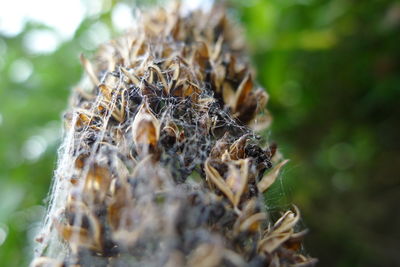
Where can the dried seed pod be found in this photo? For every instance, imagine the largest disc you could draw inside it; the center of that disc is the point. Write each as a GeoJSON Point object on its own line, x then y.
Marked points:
{"type": "Point", "coordinates": [160, 163]}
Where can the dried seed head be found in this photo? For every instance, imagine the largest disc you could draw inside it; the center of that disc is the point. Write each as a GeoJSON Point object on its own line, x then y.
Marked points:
{"type": "Point", "coordinates": [161, 165]}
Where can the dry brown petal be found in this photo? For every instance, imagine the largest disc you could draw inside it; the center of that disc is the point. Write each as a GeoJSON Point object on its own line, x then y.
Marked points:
{"type": "Point", "coordinates": [89, 70]}
{"type": "Point", "coordinates": [236, 150]}
{"type": "Point", "coordinates": [97, 183]}
{"type": "Point", "coordinates": [281, 232]}
{"type": "Point", "coordinates": [108, 102]}
{"type": "Point", "coordinates": [248, 209]}
{"type": "Point", "coordinates": [118, 114]}
{"type": "Point", "coordinates": [273, 241]}
{"type": "Point", "coordinates": [106, 91]}
{"type": "Point", "coordinates": [262, 98]}
{"type": "Point", "coordinates": [138, 49]}
{"type": "Point", "coordinates": [213, 177]}
{"type": "Point", "coordinates": [206, 255]}
{"type": "Point", "coordinates": [83, 120]}
{"type": "Point", "coordinates": [218, 77]}
{"type": "Point", "coordinates": [176, 28]}
{"type": "Point", "coordinates": [81, 211]}
{"type": "Point", "coordinates": [147, 89]}
{"type": "Point", "coordinates": [217, 48]}
{"type": "Point", "coordinates": [287, 221]}
{"type": "Point", "coordinates": [245, 103]}
{"type": "Point", "coordinates": [220, 146]}
{"type": "Point", "coordinates": [226, 157]}
{"type": "Point", "coordinates": [121, 112]}
{"type": "Point", "coordinates": [235, 183]}
{"type": "Point", "coordinates": [252, 223]}
{"type": "Point", "coordinates": [275, 261]}
{"type": "Point", "coordinates": [269, 178]}
{"type": "Point", "coordinates": [191, 90]}
{"type": "Point", "coordinates": [122, 50]}
{"type": "Point", "coordinates": [175, 259]}
{"type": "Point", "coordinates": [117, 207]}
{"type": "Point", "coordinates": [237, 180]}
{"type": "Point", "coordinates": [145, 129]}
{"type": "Point", "coordinates": [112, 82]}
{"type": "Point", "coordinates": [294, 242]}
{"type": "Point", "coordinates": [261, 122]}
{"type": "Point", "coordinates": [176, 72]}
{"type": "Point", "coordinates": [231, 68]}
{"type": "Point", "coordinates": [305, 262]}
{"type": "Point", "coordinates": [246, 112]}
{"type": "Point", "coordinates": [228, 94]}
{"type": "Point", "coordinates": [156, 70]}
{"type": "Point", "coordinates": [78, 236]}
{"type": "Point", "coordinates": [126, 237]}
{"type": "Point", "coordinates": [201, 56]}
{"type": "Point", "coordinates": [132, 77]}
{"type": "Point", "coordinates": [46, 262]}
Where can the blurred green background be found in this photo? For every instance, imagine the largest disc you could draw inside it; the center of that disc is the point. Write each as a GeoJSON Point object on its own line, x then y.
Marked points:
{"type": "Point", "coordinates": [332, 69]}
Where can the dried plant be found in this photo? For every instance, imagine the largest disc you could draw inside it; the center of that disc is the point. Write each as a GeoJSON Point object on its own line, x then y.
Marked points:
{"type": "Point", "coordinates": [161, 164]}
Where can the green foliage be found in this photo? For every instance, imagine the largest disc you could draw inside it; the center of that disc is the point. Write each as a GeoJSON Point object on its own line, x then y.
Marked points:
{"type": "Point", "coordinates": [332, 71]}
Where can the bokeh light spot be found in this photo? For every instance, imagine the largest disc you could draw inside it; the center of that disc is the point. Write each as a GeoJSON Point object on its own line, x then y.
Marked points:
{"type": "Point", "coordinates": [97, 34]}
{"type": "Point", "coordinates": [122, 17]}
{"type": "Point", "coordinates": [34, 147]}
{"type": "Point", "coordinates": [3, 233]}
{"type": "Point", "coordinates": [21, 70]}
{"type": "Point", "coordinates": [342, 156]}
{"type": "Point", "coordinates": [41, 42]}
